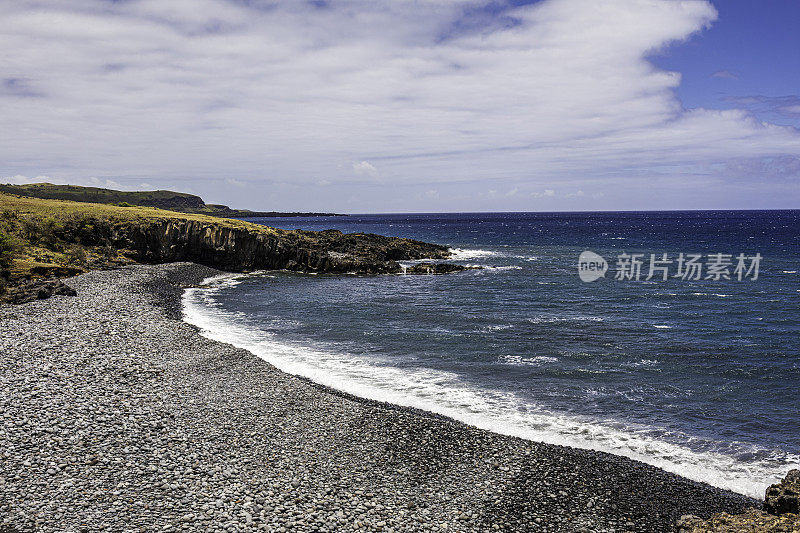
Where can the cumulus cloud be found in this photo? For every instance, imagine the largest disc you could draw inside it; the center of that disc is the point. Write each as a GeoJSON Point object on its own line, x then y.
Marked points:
{"type": "Point", "coordinates": [365, 168]}
{"type": "Point", "coordinates": [547, 193]}
{"type": "Point", "coordinates": [430, 92]}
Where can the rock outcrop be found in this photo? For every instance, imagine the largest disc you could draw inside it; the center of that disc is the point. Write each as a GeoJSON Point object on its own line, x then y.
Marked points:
{"type": "Point", "coordinates": [781, 513]}
{"type": "Point", "coordinates": [37, 290]}
{"type": "Point", "coordinates": [753, 521]}
{"type": "Point", "coordinates": [96, 241]}
{"type": "Point", "coordinates": [784, 497]}
{"type": "Point", "coordinates": [244, 248]}
{"type": "Point", "coordinates": [437, 268]}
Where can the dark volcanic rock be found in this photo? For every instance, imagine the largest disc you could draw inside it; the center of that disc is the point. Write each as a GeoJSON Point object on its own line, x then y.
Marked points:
{"type": "Point", "coordinates": [437, 268]}
{"type": "Point", "coordinates": [753, 521]}
{"type": "Point", "coordinates": [781, 513]}
{"type": "Point", "coordinates": [242, 249]}
{"type": "Point", "coordinates": [37, 290]}
{"type": "Point", "coordinates": [784, 497]}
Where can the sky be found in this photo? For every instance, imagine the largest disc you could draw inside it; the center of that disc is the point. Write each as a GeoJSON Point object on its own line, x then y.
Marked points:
{"type": "Point", "coordinates": [358, 106]}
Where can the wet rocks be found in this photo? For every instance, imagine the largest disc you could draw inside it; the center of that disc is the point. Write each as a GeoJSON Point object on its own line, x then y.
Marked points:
{"type": "Point", "coordinates": [437, 268]}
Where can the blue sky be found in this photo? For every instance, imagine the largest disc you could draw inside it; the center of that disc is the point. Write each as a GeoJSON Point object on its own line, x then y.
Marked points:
{"type": "Point", "coordinates": [750, 57]}
{"type": "Point", "coordinates": [409, 106]}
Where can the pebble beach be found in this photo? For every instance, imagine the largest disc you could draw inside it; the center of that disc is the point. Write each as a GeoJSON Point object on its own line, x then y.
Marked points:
{"type": "Point", "coordinates": [119, 416]}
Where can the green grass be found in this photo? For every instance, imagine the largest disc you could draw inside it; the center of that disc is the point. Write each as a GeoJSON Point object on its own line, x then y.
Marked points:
{"type": "Point", "coordinates": [41, 237]}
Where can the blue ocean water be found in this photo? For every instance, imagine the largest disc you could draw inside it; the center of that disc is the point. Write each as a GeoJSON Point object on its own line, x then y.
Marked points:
{"type": "Point", "coordinates": [700, 377]}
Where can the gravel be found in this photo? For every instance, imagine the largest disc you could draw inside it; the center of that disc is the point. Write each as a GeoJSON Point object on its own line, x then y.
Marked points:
{"type": "Point", "coordinates": [118, 416]}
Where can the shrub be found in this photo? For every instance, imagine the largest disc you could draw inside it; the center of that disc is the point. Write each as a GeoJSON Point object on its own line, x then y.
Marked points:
{"type": "Point", "coordinates": [125, 204]}
{"type": "Point", "coordinates": [30, 229]}
{"type": "Point", "coordinates": [108, 252]}
{"type": "Point", "coordinates": [7, 248]}
{"type": "Point", "coordinates": [46, 231]}
{"type": "Point", "coordinates": [75, 255]}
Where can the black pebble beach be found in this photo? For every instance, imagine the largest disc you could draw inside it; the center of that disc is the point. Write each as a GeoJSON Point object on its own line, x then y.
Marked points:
{"type": "Point", "coordinates": [118, 416]}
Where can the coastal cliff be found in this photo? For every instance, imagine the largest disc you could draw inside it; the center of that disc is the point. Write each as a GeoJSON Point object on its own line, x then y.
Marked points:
{"type": "Point", "coordinates": [242, 249]}
{"type": "Point", "coordinates": [42, 239]}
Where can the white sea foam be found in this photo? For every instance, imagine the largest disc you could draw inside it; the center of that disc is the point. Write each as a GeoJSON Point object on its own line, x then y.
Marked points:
{"type": "Point", "coordinates": [550, 319]}
{"type": "Point", "coordinates": [518, 360]}
{"type": "Point", "coordinates": [504, 267]}
{"type": "Point", "coordinates": [497, 327]}
{"type": "Point", "coordinates": [461, 254]}
{"type": "Point", "coordinates": [502, 412]}
{"type": "Point", "coordinates": [661, 326]}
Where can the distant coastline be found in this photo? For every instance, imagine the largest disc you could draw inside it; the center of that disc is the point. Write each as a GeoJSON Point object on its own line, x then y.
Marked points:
{"type": "Point", "coordinates": [169, 200]}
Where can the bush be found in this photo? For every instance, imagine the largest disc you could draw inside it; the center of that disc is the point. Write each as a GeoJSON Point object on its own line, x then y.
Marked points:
{"type": "Point", "coordinates": [44, 231]}
{"type": "Point", "coordinates": [108, 252]}
{"type": "Point", "coordinates": [30, 229]}
{"type": "Point", "coordinates": [7, 248]}
{"type": "Point", "coordinates": [125, 204]}
{"type": "Point", "coordinates": [75, 255]}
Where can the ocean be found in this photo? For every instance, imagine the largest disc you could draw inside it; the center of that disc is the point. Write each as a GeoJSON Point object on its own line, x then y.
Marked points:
{"type": "Point", "coordinates": [696, 374]}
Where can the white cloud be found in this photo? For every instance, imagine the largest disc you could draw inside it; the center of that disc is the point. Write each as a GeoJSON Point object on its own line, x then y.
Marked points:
{"type": "Point", "coordinates": [365, 168]}
{"type": "Point", "coordinates": [103, 183]}
{"type": "Point", "coordinates": [206, 89]}
{"type": "Point", "coordinates": [547, 193]}
{"type": "Point", "coordinates": [24, 180]}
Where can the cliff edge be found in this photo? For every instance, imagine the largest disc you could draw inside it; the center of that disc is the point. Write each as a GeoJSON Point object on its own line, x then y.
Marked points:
{"type": "Point", "coordinates": [42, 239]}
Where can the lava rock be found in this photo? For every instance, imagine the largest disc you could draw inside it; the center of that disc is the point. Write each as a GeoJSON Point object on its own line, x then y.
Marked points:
{"type": "Point", "coordinates": [784, 497]}
{"type": "Point", "coordinates": [437, 268]}
{"type": "Point", "coordinates": [29, 291]}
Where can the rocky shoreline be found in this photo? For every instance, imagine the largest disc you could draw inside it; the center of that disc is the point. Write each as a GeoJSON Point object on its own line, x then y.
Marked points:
{"type": "Point", "coordinates": [118, 416]}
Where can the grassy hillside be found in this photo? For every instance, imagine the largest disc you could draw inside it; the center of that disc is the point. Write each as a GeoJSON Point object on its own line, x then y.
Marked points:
{"type": "Point", "coordinates": [162, 199]}
{"type": "Point", "coordinates": [41, 238]}
{"type": "Point", "coordinates": [173, 201]}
